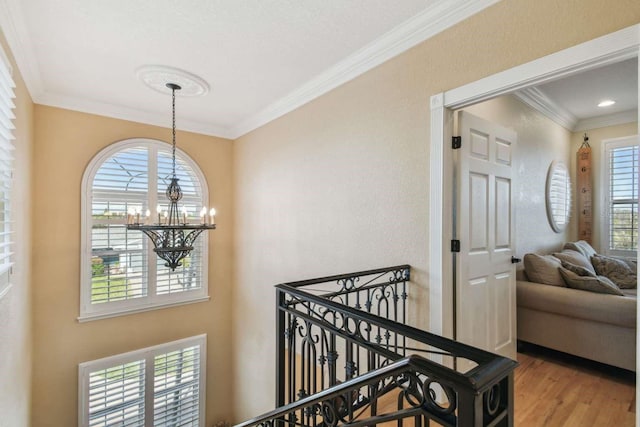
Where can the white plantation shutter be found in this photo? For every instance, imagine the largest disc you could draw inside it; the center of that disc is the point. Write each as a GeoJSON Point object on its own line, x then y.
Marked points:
{"type": "Point", "coordinates": [621, 174]}
{"type": "Point", "coordinates": [177, 388]}
{"type": "Point", "coordinates": [121, 273]}
{"type": "Point", "coordinates": [116, 395]}
{"type": "Point", "coordinates": [118, 256]}
{"type": "Point", "coordinates": [161, 386]}
{"type": "Point", "coordinates": [6, 171]}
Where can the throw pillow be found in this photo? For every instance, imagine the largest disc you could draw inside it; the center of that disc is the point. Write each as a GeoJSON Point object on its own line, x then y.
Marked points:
{"type": "Point", "coordinates": [599, 284]}
{"type": "Point", "coordinates": [575, 258]}
{"type": "Point", "coordinates": [581, 246]}
{"type": "Point", "coordinates": [578, 269]}
{"type": "Point", "coordinates": [621, 272]}
{"type": "Point", "coordinates": [543, 269]}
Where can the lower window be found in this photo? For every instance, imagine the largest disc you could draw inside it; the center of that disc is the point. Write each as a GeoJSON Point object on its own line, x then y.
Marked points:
{"type": "Point", "coordinates": [156, 386]}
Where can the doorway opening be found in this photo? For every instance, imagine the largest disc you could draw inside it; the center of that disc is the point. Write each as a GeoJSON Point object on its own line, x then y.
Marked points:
{"type": "Point", "coordinates": [615, 47]}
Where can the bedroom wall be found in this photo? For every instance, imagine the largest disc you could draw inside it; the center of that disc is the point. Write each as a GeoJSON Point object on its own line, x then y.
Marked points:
{"type": "Point", "coordinates": [65, 142]}
{"type": "Point", "coordinates": [540, 141]}
{"type": "Point", "coordinates": [340, 184]}
{"type": "Point", "coordinates": [15, 305]}
{"type": "Point", "coordinates": [596, 136]}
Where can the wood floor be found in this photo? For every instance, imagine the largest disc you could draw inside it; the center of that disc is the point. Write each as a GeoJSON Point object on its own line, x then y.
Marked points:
{"type": "Point", "coordinates": [554, 389]}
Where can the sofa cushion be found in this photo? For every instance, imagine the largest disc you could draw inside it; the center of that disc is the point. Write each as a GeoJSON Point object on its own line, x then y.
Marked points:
{"type": "Point", "coordinates": [623, 273]}
{"type": "Point", "coordinates": [578, 269]}
{"type": "Point", "coordinates": [612, 309]}
{"type": "Point", "coordinates": [575, 258]}
{"type": "Point", "coordinates": [599, 284]}
{"type": "Point", "coordinates": [543, 269]}
{"type": "Point", "coordinates": [581, 246]}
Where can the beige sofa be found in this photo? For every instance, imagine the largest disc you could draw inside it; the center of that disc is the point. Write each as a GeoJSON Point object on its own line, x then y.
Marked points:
{"type": "Point", "coordinates": [596, 326]}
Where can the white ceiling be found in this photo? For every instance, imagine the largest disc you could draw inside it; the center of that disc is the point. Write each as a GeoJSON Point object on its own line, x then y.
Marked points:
{"type": "Point", "coordinates": [261, 58]}
{"type": "Point", "coordinates": [573, 101]}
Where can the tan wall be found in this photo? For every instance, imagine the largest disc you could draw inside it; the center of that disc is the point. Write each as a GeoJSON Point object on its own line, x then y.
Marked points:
{"type": "Point", "coordinates": [15, 310]}
{"type": "Point", "coordinates": [340, 184]}
{"type": "Point", "coordinates": [596, 136]}
{"type": "Point", "coordinates": [65, 142]}
{"type": "Point", "coordinates": [540, 141]}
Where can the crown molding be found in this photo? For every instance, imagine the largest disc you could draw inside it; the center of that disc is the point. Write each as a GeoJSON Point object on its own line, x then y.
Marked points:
{"type": "Point", "coordinates": [444, 14]}
{"type": "Point", "coordinates": [623, 117]}
{"type": "Point", "coordinates": [539, 101]}
{"type": "Point", "coordinates": [129, 114]}
{"type": "Point", "coordinates": [13, 26]}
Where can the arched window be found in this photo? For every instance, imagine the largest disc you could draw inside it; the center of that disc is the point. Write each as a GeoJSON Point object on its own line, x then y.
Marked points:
{"type": "Point", "coordinates": [120, 272]}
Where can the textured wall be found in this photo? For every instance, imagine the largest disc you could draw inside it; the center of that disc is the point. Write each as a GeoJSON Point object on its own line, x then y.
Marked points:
{"type": "Point", "coordinates": [340, 184]}
{"type": "Point", "coordinates": [15, 306]}
{"type": "Point", "coordinates": [540, 141]}
{"type": "Point", "coordinates": [65, 142]}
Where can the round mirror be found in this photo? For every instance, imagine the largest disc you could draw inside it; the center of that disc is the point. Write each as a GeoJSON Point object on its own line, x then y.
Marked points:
{"type": "Point", "coordinates": [558, 196]}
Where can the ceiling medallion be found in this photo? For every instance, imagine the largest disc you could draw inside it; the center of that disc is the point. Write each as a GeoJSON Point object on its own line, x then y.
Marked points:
{"type": "Point", "coordinates": [157, 77]}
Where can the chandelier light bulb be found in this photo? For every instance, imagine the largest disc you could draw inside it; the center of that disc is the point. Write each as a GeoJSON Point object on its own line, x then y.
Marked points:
{"type": "Point", "coordinates": [212, 216]}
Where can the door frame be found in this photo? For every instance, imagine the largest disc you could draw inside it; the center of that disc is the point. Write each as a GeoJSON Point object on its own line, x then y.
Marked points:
{"type": "Point", "coordinates": [617, 46]}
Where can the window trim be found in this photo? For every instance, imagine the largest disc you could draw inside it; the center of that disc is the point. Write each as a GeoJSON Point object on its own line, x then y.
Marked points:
{"type": "Point", "coordinates": [147, 353]}
{"type": "Point", "coordinates": [604, 223]}
{"type": "Point", "coordinates": [89, 311]}
{"type": "Point", "coordinates": [7, 107]}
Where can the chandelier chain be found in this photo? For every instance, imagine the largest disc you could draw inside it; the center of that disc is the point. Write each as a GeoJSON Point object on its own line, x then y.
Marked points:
{"type": "Point", "coordinates": [173, 127]}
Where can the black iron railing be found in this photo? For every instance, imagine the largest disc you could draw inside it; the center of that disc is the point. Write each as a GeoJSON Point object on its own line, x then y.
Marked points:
{"type": "Point", "coordinates": [345, 356]}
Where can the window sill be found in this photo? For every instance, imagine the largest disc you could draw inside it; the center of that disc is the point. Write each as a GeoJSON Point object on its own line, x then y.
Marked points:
{"type": "Point", "coordinates": [133, 310]}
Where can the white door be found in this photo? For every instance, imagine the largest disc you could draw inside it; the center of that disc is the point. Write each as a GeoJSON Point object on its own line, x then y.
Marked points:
{"type": "Point", "coordinates": [485, 274]}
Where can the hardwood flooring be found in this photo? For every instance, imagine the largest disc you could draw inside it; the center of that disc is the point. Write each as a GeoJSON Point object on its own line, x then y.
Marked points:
{"type": "Point", "coordinates": [553, 389]}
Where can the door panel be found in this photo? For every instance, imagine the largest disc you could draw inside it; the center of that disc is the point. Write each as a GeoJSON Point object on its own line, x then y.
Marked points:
{"type": "Point", "coordinates": [478, 211]}
{"type": "Point", "coordinates": [502, 318]}
{"type": "Point", "coordinates": [485, 288]}
{"type": "Point", "coordinates": [503, 213]}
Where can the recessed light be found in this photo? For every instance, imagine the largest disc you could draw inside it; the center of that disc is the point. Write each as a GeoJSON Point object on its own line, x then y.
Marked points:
{"type": "Point", "coordinates": [606, 103]}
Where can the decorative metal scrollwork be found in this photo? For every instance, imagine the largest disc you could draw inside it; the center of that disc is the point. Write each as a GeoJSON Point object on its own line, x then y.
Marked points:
{"type": "Point", "coordinates": [431, 398]}
{"type": "Point", "coordinates": [348, 284]}
{"type": "Point", "coordinates": [492, 399]}
{"type": "Point", "coordinates": [329, 414]}
{"type": "Point", "coordinates": [412, 393]}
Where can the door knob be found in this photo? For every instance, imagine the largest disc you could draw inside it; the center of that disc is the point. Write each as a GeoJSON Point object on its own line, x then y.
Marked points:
{"type": "Point", "coordinates": [515, 260]}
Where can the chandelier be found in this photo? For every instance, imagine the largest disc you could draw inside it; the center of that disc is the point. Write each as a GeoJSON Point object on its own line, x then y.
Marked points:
{"type": "Point", "coordinates": [172, 238]}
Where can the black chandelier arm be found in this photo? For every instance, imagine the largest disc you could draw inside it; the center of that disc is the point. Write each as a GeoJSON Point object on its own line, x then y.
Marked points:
{"type": "Point", "coordinates": [172, 243]}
